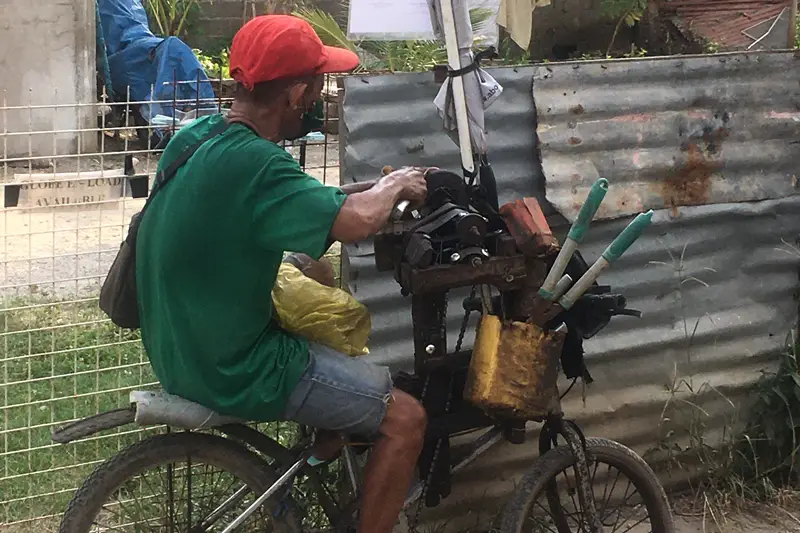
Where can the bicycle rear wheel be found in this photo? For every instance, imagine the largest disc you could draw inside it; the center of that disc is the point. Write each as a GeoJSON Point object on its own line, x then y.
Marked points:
{"type": "Point", "coordinates": [175, 483]}
{"type": "Point", "coordinates": [628, 496]}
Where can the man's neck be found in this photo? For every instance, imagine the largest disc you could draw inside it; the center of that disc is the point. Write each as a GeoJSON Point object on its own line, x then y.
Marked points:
{"type": "Point", "coordinates": [262, 120]}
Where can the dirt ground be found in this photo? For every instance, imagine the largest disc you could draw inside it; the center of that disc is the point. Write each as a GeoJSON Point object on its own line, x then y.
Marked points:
{"type": "Point", "coordinates": [744, 524]}
{"type": "Point", "coordinates": [778, 517]}
{"type": "Point", "coordinates": [66, 251]}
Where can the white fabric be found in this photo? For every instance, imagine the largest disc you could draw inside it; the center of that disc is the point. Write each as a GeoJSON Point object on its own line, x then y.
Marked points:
{"type": "Point", "coordinates": [516, 16]}
{"type": "Point", "coordinates": [480, 89]}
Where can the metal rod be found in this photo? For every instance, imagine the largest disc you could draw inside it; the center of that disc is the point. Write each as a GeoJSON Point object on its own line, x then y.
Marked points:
{"type": "Point", "coordinates": [562, 286]}
{"type": "Point", "coordinates": [350, 466]}
{"type": "Point", "coordinates": [772, 26]}
{"type": "Point", "coordinates": [215, 515]}
{"type": "Point", "coordinates": [267, 494]}
{"type": "Point", "coordinates": [174, 101]}
{"type": "Point", "coordinates": [481, 446]}
{"type": "Point", "coordinates": [457, 86]}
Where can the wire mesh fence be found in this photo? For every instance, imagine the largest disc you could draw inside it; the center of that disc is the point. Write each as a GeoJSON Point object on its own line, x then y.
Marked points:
{"type": "Point", "coordinates": [72, 175]}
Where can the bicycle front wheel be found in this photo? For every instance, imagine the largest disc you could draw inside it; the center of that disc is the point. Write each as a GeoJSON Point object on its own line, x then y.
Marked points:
{"type": "Point", "coordinates": [178, 482]}
{"type": "Point", "coordinates": [628, 496]}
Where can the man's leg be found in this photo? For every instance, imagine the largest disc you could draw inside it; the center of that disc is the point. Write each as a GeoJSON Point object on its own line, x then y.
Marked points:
{"type": "Point", "coordinates": [391, 464]}
{"type": "Point", "coordinates": [351, 396]}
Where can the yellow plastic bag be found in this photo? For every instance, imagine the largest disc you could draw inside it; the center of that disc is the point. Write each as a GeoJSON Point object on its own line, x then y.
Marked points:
{"type": "Point", "coordinates": [325, 315]}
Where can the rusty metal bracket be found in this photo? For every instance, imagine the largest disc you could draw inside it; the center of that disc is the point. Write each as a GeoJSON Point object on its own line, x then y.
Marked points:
{"type": "Point", "coordinates": [505, 273]}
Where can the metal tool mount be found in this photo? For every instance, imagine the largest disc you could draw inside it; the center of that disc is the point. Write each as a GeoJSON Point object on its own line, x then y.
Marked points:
{"type": "Point", "coordinates": [459, 239]}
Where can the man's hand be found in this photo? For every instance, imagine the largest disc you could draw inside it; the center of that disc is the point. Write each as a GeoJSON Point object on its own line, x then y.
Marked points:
{"type": "Point", "coordinates": [363, 214]}
{"type": "Point", "coordinates": [412, 183]}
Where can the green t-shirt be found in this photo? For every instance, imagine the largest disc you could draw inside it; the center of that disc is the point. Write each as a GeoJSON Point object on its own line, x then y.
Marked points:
{"type": "Point", "coordinates": [208, 253]}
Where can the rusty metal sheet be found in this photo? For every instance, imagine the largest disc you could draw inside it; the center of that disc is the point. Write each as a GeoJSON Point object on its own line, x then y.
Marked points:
{"type": "Point", "coordinates": [721, 21]}
{"type": "Point", "coordinates": [669, 132]}
{"type": "Point", "coordinates": [743, 311]}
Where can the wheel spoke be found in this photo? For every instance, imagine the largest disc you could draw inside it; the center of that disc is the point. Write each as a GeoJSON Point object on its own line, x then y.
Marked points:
{"type": "Point", "coordinates": [622, 504]}
{"type": "Point", "coordinates": [623, 509]}
{"type": "Point", "coordinates": [179, 483]}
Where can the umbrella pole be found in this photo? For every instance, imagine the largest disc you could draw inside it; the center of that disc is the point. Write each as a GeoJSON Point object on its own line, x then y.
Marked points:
{"type": "Point", "coordinates": [457, 85]}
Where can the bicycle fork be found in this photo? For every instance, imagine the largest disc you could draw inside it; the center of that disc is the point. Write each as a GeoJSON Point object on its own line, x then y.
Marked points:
{"type": "Point", "coordinates": [576, 443]}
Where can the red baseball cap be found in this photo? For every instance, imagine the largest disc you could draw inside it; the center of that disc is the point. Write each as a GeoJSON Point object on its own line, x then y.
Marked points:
{"type": "Point", "coordinates": [271, 47]}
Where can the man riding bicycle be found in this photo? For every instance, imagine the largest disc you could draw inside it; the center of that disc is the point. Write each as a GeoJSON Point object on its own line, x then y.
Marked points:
{"type": "Point", "coordinates": [208, 254]}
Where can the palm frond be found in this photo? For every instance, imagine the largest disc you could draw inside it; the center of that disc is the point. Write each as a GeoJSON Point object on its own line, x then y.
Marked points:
{"type": "Point", "coordinates": [479, 16]}
{"type": "Point", "coordinates": [329, 31]}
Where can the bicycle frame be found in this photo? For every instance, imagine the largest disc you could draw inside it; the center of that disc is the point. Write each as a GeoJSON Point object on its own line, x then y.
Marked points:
{"type": "Point", "coordinates": [480, 446]}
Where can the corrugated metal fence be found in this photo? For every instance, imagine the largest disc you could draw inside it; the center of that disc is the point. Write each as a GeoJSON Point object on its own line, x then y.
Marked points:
{"type": "Point", "coordinates": [714, 281]}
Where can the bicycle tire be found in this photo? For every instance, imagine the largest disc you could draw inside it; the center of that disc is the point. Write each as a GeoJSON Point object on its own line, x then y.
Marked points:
{"type": "Point", "coordinates": [158, 450]}
{"type": "Point", "coordinates": [548, 466]}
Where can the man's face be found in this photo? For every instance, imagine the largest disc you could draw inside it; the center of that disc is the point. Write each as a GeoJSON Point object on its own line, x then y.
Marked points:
{"type": "Point", "coordinates": [302, 97]}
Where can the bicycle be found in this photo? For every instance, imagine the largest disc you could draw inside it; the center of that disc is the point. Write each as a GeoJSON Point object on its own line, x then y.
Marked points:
{"type": "Point", "coordinates": [265, 470]}
{"type": "Point", "coordinates": [265, 473]}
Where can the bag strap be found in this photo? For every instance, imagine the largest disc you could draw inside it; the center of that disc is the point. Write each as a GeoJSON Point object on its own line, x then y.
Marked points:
{"type": "Point", "coordinates": [163, 176]}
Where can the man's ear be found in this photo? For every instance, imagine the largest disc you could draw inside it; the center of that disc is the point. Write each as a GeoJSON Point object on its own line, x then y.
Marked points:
{"type": "Point", "coordinates": [296, 95]}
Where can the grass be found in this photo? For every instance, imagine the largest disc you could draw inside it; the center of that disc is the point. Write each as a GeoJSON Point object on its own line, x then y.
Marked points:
{"type": "Point", "coordinates": [750, 466]}
{"type": "Point", "coordinates": [59, 362]}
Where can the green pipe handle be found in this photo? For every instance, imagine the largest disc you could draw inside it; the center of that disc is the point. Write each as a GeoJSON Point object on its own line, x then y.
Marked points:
{"type": "Point", "coordinates": [588, 210]}
{"type": "Point", "coordinates": [628, 236]}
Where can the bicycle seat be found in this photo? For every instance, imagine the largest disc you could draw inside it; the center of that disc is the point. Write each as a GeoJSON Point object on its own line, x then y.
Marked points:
{"type": "Point", "coordinates": [154, 408]}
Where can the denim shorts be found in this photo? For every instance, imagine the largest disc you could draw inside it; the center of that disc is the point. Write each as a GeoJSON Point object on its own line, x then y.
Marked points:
{"type": "Point", "coordinates": [340, 393]}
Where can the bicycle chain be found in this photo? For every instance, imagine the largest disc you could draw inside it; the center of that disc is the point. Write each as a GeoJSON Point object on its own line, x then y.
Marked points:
{"type": "Point", "coordinates": [412, 525]}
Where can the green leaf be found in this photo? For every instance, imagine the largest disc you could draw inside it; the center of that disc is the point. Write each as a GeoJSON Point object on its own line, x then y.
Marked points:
{"type": "Point", "coordinates": [329, 31]}
{"type": "Point", "coordinates": [478, 16]}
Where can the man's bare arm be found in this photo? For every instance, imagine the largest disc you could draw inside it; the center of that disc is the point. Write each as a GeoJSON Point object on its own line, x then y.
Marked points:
{"type": "Point", "coordinates": [353, 188]}
{"type": "Point", "coordinates": [364, 213]}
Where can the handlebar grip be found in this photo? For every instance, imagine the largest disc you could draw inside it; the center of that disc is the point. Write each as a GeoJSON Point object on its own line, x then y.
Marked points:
{"type": "Point", "coordinates": [588, 210]}
{"type": "Point", "coordinates": [631, 232]}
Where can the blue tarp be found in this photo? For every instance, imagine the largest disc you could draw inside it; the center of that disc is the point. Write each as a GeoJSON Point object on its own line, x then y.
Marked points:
{"type": "Point", "coordinates": [150, 66]}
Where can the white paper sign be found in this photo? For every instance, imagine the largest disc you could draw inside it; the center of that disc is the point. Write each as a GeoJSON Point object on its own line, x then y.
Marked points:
{"type": "Point", "coordinates": [379, 20]}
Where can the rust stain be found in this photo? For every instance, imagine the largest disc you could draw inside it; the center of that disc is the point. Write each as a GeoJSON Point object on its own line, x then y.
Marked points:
{"type": "Point", "coordinates": [577, 110]}
{"type": "Point", "coordinates": [690, 184]}
{"type": "Point", "coordinates": [574, 141]}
